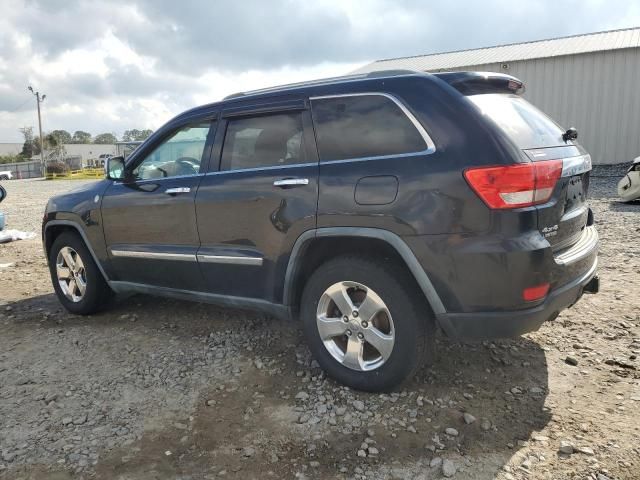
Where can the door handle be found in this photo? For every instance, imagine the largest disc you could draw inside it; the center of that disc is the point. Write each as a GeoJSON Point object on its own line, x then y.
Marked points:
{"type": "Point", "coordinates": [174, 191]}
{"type": "Point", "coordinates": [291, 182]}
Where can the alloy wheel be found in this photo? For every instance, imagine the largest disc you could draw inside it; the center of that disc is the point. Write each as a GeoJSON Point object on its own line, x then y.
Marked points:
{"type": "Point", "coordinates": [355, 326]}
{"type": "Point", "coordinates": [72, 276]}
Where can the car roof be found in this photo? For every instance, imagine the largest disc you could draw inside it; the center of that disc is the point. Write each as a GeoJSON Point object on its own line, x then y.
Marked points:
{"type": "Point", "coordinates": [302, 88]}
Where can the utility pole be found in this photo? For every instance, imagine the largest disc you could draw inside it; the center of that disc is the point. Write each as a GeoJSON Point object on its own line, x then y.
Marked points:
{"type": "Point", "coordinates": [39, 99]}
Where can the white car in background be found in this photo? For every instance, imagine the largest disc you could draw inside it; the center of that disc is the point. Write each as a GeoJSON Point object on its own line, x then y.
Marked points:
{"type": "Point", "coordinates": [5, 175]}
{"type": "Point", "coordinates": [629, 186]}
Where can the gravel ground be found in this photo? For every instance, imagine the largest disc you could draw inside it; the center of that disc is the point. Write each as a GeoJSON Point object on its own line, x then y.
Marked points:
{"type": "Point", "coordinates": [157, 388]}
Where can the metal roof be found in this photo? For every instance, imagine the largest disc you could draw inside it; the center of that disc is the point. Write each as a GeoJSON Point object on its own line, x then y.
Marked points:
{"type": "Point", "coordinates": [553, 47]}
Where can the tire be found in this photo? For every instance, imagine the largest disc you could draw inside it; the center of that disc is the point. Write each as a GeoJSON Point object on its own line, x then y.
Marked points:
{"type": "Point", "coordinates": [96, 293]}
{"type": "Point", "coordinates": [406, 319]}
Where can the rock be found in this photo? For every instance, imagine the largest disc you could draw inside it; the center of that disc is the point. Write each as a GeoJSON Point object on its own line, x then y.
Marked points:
{"type": "Point", "coordinates": [536, 390]}
{"type": "Point", "coordinates": [8, 456]}
{"type": "Point", "coordinates": [448, 468]}
{"type": "Point", "coordinates": [584, 450]}
{"type": "Point", "coordinates": [468, 418]}
{"type": "Point", "coordinates": [540, 438]}
{"type": "Point", "coordinates": [566, 447]}
{"type": "Point", "coordinates": [485, 424]}
{"type": "Point", "coordinates": [358, 405]}
{"type": "Point", "coordinates": [340, 411]}
{"type": "Point", "coordinates": [373, 451]}
{"type": "Point", "coordinates": [211, 403]}
{"type": "Point", "coordinates": [80, 420]}
{"type": "Point", "coordinates": [304, 418]}
{"type": "Point", "coordinates": [451, 432]}
{"type": "Point", "coordinates": [248, 452]}
{"type": "Point", "coordinates": [314, 464]}
{"type": "Point", "coordinates": [571, 361]}
{"type": "Point", "coordinates": [362, 453]}
{"type": "Point", "coordinates": [435, 462]}
{"type": "Point", "coordinates": [302, 395]}
{"type": "Point", "coordinates": [67, 420]}
{"type": "Point", "coordinates": [411, 429]}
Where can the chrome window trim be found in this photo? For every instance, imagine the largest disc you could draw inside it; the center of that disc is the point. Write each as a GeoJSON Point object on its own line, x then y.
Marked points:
{"type": "Point", "coordinates": [431, 147]}
{"type": "Point", "coordinates": [186, 257]}
{"type": "Point", "coordinates": [229, 259]}
{"type": "Point", "coordinates": [258, 169]}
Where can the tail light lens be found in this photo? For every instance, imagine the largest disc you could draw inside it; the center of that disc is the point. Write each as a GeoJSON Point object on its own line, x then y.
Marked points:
{"type": "Point", "coordinates": [515, 186]}
{"type": "Point", "coordinates": [535, 293]}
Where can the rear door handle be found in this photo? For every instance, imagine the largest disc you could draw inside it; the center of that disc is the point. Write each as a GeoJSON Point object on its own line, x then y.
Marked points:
{"type": "Point", "coordinates": [175, 191]}
{"type": "Point", "coordinates": [291, 182]}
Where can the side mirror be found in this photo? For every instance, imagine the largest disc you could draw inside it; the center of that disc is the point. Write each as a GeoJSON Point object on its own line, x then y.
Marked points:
{"type": "Point", "coordinates": [114, 168]}
{"type": "Point", "coordinates": [3, 193]}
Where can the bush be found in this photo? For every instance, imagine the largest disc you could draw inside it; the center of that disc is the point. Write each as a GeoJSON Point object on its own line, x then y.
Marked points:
{"type": "Point", "coordinates": [10, 159]}
{"type": "Point", "coordinates": [57, 167]}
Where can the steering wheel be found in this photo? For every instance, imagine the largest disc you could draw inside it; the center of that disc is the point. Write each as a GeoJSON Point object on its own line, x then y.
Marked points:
{"type": "Point", "coordinates": [188, 165]}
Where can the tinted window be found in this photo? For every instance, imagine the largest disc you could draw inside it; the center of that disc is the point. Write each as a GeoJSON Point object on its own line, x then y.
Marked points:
{"type": "Point", "coordinates": [363, 126]}
{"type": "Point", "coordinates": [263, 141]}
{"type": "Point", "coordinates": [527, 126]}
{"type": "Point", "coordinates": [178, 155]}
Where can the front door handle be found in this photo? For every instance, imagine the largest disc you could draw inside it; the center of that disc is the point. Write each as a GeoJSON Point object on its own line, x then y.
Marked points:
{"type": "Point", "coordinates": [175, 191]}
{"type": "Point", "coordinates": [291, 182]}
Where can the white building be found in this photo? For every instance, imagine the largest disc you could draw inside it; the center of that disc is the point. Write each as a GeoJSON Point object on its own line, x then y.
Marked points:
{"type": "Point", "coordinates": [585, 81]}
{"type": "Point", "coordinates": [87, 152]}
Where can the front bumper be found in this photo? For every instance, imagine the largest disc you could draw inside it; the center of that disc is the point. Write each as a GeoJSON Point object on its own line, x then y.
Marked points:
{"type": "Point", "coordinates": [487, 325]}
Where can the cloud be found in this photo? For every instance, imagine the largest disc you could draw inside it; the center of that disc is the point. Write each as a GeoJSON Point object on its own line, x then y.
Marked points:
{"type": "Point", "coordinates": [114, 65]}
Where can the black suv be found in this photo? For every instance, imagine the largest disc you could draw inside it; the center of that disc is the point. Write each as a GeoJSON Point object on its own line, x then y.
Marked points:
{"type": "Point", "coordinates": [376, 208]}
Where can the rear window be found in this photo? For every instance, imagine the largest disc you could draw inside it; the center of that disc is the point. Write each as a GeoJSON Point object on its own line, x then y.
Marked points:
{"type": "Point", "coordinates": [527, 126]}
{"type": "Point", "coordinates": [361, 126]}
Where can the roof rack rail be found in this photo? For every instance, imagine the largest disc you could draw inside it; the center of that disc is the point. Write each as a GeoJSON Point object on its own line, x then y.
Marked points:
{"type": "Point", "coordinates": [309, 83]}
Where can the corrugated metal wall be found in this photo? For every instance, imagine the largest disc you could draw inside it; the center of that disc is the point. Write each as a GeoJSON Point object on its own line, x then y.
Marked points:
{"type": "Point", "coordinates": [595, 92]}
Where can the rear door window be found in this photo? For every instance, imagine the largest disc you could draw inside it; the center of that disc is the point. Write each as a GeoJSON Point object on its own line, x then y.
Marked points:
{"type": "Point", "coordinates": [263, 141]}
{"type": "Point", "coordinates": [359, 126]}
{"type": "Point", "coordinates": [527, 126]}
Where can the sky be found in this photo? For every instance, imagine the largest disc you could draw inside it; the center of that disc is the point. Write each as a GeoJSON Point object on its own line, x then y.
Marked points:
{"type": "Point", "coordinates": [109, 66]}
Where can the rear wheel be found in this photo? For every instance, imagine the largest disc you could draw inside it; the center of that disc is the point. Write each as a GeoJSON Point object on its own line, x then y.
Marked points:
{"type": "Point", "coordinates": [76, 279]}
{"type": "Point", "coordinates": [366, 323]}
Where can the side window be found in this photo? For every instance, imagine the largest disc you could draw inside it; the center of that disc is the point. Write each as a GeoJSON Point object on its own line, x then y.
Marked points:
{"type": "Point", "coordinates": [178, 155]}
{"type": "Point", "coordinates": [363, 126]}
{"type": "Point", "coordinates": [263, 141]}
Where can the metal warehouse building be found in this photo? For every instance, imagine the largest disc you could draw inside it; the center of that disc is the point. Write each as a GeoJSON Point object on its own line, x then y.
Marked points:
{"type": "Point", "coordinates": [585, 81]}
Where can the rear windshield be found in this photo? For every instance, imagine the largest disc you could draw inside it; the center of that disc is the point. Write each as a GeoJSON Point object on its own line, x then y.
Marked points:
{"type": "Point", "coordinates": [527, 126]}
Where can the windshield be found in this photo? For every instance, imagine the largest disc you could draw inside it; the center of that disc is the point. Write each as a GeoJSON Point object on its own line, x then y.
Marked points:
{"type": "Point", "coordinates": [527, 126]}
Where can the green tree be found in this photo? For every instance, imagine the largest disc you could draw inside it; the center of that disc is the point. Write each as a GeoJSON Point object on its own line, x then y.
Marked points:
{"type": "Point", "coordinates": [108, 138]}
{"type": "Point", "coordinates": [136, 135]}
{"type": "Point", "coordinates": [81, 137]}
{"type": "Point", "coordinates": [62, 136]}
{"type": "Point", "coordinates": [28, 147]}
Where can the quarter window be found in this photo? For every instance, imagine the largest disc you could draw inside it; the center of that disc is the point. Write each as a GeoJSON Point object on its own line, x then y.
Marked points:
{"type": "Point", "coordinates": [264, 141]}
{"type": "Point", "coordinates": [363, 126]}
{"type": "Point", "coordinates": [179, 155]}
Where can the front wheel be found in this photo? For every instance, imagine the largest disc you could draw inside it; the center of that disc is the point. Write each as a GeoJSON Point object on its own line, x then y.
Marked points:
{"type": "Point", "coordinates": [366, 322]}
{"type": "Point", "coordinates": [77, 281]}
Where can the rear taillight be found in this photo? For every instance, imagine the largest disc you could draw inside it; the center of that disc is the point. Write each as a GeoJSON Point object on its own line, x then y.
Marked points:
{"type": "Point", "coordinates": [535, 293]}
{"type": "Point", "coordinates": [514, 186]}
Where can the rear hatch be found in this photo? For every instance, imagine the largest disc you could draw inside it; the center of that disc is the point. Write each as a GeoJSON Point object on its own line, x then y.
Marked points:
{"type": "Point", "coordinates": [563, 217]}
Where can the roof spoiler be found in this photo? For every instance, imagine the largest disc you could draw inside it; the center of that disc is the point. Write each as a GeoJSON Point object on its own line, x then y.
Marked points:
{"type": "Point", "coordinates": [474, 83]}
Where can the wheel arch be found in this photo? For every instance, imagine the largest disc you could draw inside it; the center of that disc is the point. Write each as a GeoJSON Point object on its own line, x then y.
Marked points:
{"type": "Point", "coordinates": [54, 228]}
{"type": "Point", "coordinates": [381, 240]}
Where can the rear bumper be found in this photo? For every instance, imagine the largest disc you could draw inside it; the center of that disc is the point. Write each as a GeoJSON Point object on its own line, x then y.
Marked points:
{"type": "Point", "coordinates": [515, 323]}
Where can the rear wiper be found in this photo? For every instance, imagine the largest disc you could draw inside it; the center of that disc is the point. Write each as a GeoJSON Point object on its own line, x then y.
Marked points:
{"type": "Point", "coordinates": [570, 134]}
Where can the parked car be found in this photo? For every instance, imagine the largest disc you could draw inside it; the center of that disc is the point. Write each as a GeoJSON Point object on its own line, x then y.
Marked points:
{"type": "Point", "coordinates": [373, 208]}
{"type": "Point", "coordinates": [5, 175]}
{"type": "Point", "coordinates": [629, 186]}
